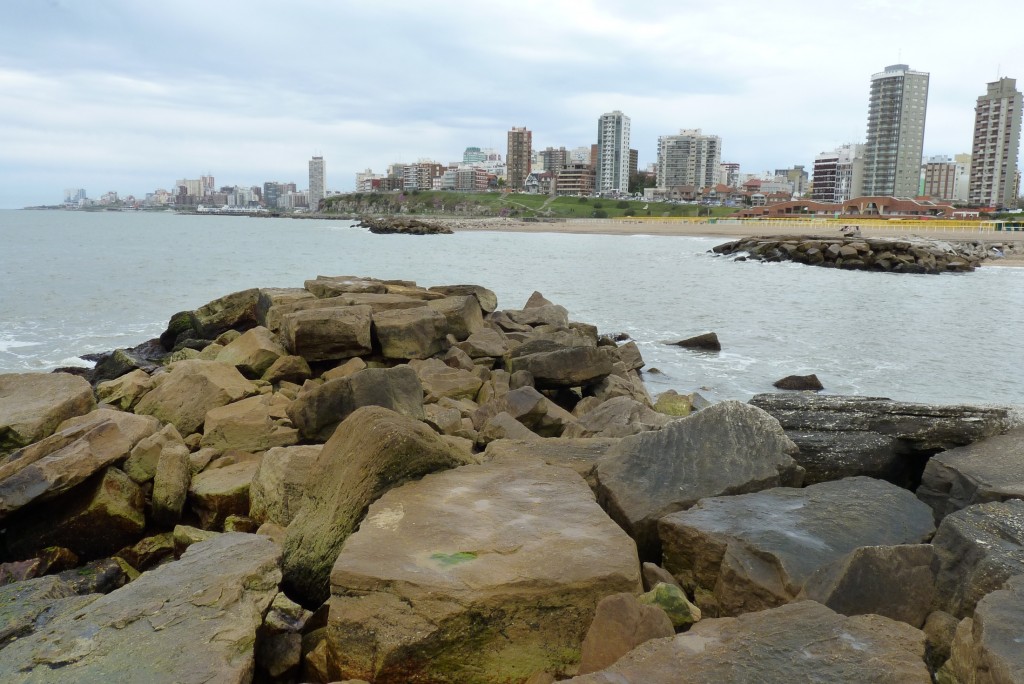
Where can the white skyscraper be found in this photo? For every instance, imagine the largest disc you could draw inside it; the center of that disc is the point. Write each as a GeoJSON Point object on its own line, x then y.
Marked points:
{"type": "Point", "coordinates": [690, 158]}
{"type": "Point", "coordinates": [316, 182]}
{"type": "Point", "coordinates": [612, 163]}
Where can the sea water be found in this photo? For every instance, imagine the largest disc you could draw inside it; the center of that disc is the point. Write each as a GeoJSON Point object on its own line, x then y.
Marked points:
{"type": "Point", "coordinates": [72, 283]}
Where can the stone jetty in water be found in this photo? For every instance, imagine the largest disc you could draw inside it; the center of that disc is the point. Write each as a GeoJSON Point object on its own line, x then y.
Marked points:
{"type": "Point", "coordinates": [369, 480]}
{"type": "Point", "coordinates": [893, 255]}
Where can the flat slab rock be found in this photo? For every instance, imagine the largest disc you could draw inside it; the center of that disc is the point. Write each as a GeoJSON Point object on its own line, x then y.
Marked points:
{"type": "Point", "coordinates": [989, 470]}
{"type": "Point", "coordinates": [484, 573]}
{"type": "Point", "coordinates": [188, 622]}
{"type": "Point", "coordinates": [32, 405]}
{"type": "Point", "coordinates": [799, 642]}
{"type": "Point", "coordinates": [757, 551]}
{"type": "Point", "coordinates": [728, 448]}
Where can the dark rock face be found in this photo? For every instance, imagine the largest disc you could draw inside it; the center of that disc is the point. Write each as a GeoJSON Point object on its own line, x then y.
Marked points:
{"type": "Point", "coordinates": [979, 548]}
{"type": "Point", "coordinates": [388, 225]}
{"type": "Point", "coordinates": [895, 581]}
{"type": "Point", "coordinates": [756, 551]}
{"type": "Point", "coordinates": [989, 470]}
{"type": "Point", "coordinates": [236, 311]}
{"type": "Point", "coordinates": [707, 342]}
{"type": "Point", "coordinates": [841, 436]}
{"type": "Point", "coordinates": [801, 642]}
{"type": "Point", "coordinates": [561, 366]}
{"type": "Point", "coordinates": [863, 254]}
{"type": "Point", "coordinates": [800, 382]}
{"type": "Point", "coordinates": [729, 448]}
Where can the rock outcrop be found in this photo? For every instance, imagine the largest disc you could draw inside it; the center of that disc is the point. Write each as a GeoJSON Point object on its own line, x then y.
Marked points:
{"type": "Point", "coordinates": [389, 225]}
{"type": "Point", "coordinates": [32, 405]}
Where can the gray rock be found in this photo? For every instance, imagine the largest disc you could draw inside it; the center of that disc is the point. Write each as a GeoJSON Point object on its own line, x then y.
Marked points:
{"type": "Point", "coordinates": [485, 343]}
{"type": "Point", "coordinates": [800, 642]}
{"type": "Point", "coordinates": [730, 448]}
{"type": "Point", "coordinates": [317, 413]}
{"type": "Point", "coordinates": [756, 551]}
{"type": "Point", "coordinates": [504, 426]}
{"type": "Point", "coordinates": [328, 334]}
{"type": "Point", "coordinates": [485, 573]}
{"type": "Point", "coordinates": [30, 605]}
{"type": "Point", "coordinates": [618, 417]}
{"type": "Point", "coordinates": [206, 606]}
{"type": "Point", "coordinates": [800, 382]}
{"type": "Point", "coordinates": [706, 342]}
{"type": "Point", "coordinates": [979, 548]}
{"type": "Point", "coordinates": [32, 405]}
{"type": "Point", "coordinates": [276, 491]}
{"type": "Point", "coordinates": [544, 314]}
{"type": "Point", "coordinates": [987, 648]}
{"type": "Point", "coordinates": [372, 451]}
{"type": "Point", "coordinates": [988, 470]}
{"type": "Point", "coordinates": [561, 366]}
{"type": "Point", "coordinates": [332, 286]}
{"type": "Point", "coordinates": [895, 581]}
{"type": "Point", "coordinates": [620, 624]}
{"type": "Point", "coordinates": [827, 456]}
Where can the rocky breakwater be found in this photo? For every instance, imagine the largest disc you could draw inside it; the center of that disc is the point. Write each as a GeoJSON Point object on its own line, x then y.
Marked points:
{"type": "Point", "coordinates": [387, 225]}
{"type": "Point", "coordinates": [912, 255]}
{"type": "Point", "coordinates": [372, 480]}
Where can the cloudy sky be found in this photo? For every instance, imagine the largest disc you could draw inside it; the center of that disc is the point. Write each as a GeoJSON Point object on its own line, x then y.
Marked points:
{"type": "Point", "coordinates": [130, 96]}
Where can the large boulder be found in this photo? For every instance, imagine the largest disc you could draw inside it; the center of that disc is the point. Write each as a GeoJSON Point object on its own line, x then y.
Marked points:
{"type": "Point", "coordinates": [317, 412]}
{"type": "Point", "coordinates": [236, 311]}
{"type": "Point", "coordinates": [987, 648]}
{"type": "Point", "coordinates": [190, 621]}
{"type": "Point", "coordinates": [411, 333]}
{"type": "Point", "coordinates": [63, 460]}
{"type": "Point", "coordinates": [485, 343]}
{"type": "Point", "coordinates": [729, 448]}
{"type": "Point", "coordinates": [93, 520]}
{"type": "Point", "coordinates": [125, 391]}
{"type": "Point", "coordinates": [487, 299]}
{"type": "Point", "coordinates": [328, 334]}
{"type": "Point", "coordinates": [372, 451]}
{"type": "Point", "coordinates": [485, 573]}
{"type": "Point", "coordinates": [895, 581]}
{"type": "Point", "coordinates": [32, 405]}
{"type": "Point", "coordinates": [440, 380]}
{"type": "Point", "coordinates": [620, 624]}
{"type": "Point", "coordinates": [979, 548]}
{"type": "Point", "coordinates": [332, 286]}
{"type": "Point", "coordinates": [756, 551]}
{"type": "Point", "coordinates": [989, 470]}
{"type": "Point", "coordinates": [192, 388]}
{"type": "Point", "coordinates": [462, 314]}
{"type": "Point", "coordinates": [618, 417]}
{"type": "Point", "coordinates": [276, 491]}
{"type": "Point", "coordinates": [253, 424]}
{"type": "Point", "coordinates": [216, 493]}
{"type": "Point", "coordinates": [579, 454]}
{"type": "Point", "coordinates": [31, 604]}
{"type": "Point", "coordinates": [800, 642]}
{"type": "Point", "coordinates": [531, 408]}
{"type": "Point", "coordinates": [141, 464]}
{"type": "Point", "coordinates": [560, 366]}
{"type": "Point", "coordinates": [842, 436]}
{"type": "Point", "coordinates": [253, 352]}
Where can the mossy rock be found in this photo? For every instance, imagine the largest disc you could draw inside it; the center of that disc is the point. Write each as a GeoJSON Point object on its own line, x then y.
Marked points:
{"type": "Point", "coordinates": [673, 601]}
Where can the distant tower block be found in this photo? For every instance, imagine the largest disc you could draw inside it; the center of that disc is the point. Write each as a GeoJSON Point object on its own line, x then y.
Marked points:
{"type": "Point", "coordinates": [895, 137]}
{"type": "Point", "coordinates": [316, 182]}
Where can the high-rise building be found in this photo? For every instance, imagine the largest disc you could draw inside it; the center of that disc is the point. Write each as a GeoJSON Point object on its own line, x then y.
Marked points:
{"type": "Point", "coordinates": [612, 162]}
{"type": "Point", "coordinates": [895, 138]}
{"type": "Point", "coordinates": [517, 161]}
{"type": "Point", "coordinates": [690, 158]}
{"type": "Point", "coordinates": [316, 182]}
{"type": "Point", "coordinates": [838, 174]}
{"type": "Point", "coordinates": [997, 121]}
{"type": "Point", "coordinates": [553, 160]}
{"type": "Point", "coordinates": [945, 178]}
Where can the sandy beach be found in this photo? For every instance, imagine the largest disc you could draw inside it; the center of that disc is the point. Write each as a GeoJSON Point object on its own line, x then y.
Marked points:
{"type": "Point", "coordinates": [736, 230]}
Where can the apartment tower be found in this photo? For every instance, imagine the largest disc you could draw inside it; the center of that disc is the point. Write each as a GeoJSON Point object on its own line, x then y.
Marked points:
{"type": "Point", "coordinates": [517, 161]}
{"type": "Point", "coordinates": [316, 182]}
{"type": "Point", "coordinates": [997, 121]}
{"type": "Point", "coordinates": [895, 139]}
{"type": "Point", "coordinates": [612, 162]}
{"type": "Point", "coordinates": [690, 158]}
{"type": "Point", "coordinates": [838, 174]}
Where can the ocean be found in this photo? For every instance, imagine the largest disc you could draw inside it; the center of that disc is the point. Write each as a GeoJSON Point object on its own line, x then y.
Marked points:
{"type": "Point", "coordinates": [72, 283]}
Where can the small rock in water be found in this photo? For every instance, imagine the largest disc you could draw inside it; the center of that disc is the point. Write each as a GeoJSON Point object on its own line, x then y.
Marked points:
{"type": "Point", "coordinates": [800, 382]}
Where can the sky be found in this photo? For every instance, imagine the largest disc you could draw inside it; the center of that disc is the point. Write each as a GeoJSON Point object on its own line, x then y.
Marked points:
{"type": "Point", "coordinates": [131, 96]}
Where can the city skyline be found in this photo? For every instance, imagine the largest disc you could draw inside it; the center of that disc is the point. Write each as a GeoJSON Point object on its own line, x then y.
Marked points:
{"type": "Point", "coordinates": [118, 96]}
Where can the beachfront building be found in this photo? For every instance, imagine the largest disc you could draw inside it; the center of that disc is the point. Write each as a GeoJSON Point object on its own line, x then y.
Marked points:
{"type": "Point", "coordinates": [997, 122]}
{"type": "Point", "coordinates": [690, 158]}
{"type": "Point", "coordinates": [611, 164]}
{"type": "Point", "coordinates": [838, 173]}
{"type": "Point", "coordinates": [729, 174]}
{"type": "Point", "coordinates": [797, 176]}
{"type": "Point", "coordinates": [316, 182]}
{"type": "Point", "coordinates": [552, 159]}
{"type": "Point", "coordinates": [895, 136]}
{"type": "Point", "coordinates": [517, 161]}
{"type": "Point", "coordinates": [946, 178]}
{"type": "Point", "coordinates": [575, 179]}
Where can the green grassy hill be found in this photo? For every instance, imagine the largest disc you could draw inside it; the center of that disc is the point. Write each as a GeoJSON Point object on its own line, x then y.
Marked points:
{"type": "Point", "coordinates": [515, 205]}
